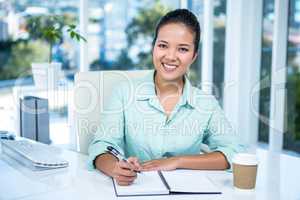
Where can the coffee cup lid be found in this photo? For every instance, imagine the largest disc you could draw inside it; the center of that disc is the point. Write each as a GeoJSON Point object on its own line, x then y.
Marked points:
{"type": "Point", "coordinates": [245, 159]}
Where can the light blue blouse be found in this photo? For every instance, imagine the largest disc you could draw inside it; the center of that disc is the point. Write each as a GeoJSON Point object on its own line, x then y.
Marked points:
{"type": "Point", "coordinates": [134, 123]}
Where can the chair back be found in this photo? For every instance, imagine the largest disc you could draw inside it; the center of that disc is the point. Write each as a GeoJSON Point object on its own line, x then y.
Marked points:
{"type": "Point", "coordinates": [91, 93]}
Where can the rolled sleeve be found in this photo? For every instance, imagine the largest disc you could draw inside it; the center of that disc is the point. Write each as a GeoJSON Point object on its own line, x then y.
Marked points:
{"type": "Point", "coordinates": [111, 129]}
{"type": "Point", "coordinates": [221, 136]}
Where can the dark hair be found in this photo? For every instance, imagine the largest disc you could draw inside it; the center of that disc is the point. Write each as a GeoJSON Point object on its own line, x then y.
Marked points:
{"type": "Point", "coordinates": [183, 16]}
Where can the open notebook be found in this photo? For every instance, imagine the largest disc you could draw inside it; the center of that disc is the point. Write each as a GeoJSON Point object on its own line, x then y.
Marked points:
{"type": "Point", "coordinates": [168, 182]}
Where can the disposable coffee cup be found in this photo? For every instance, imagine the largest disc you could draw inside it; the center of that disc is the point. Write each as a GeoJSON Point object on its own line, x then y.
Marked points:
{"type": "Point", "coordinates": [244, 171]}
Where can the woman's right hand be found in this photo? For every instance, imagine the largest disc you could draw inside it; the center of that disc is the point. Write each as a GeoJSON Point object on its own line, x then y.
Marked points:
{"type": "Point", "coordinates": [126, 172]}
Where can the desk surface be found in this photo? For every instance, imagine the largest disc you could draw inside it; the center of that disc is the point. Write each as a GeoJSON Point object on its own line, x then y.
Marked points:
{"type": "Point", "coordinates": [278, 178]}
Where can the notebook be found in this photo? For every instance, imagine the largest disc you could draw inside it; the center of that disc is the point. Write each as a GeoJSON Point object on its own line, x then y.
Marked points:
{"type": "Point", "coordinates": [168, 182]}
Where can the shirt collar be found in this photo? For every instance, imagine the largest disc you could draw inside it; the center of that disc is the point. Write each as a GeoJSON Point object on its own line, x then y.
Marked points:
{"type": "Point", "coordinates": [146, 90]}
{"type": "Point", "coordinates": [145, 87]}
{"type": "Point", "coordinates": [187, 96]}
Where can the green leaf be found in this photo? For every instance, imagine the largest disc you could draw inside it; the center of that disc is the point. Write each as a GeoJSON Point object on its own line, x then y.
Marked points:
{"type": "Point", "coordinates": [72, 26]}
{"type": "Point", "coordinates": [72, 34]}
{"type": "Point", "coordinates": [77, 37]}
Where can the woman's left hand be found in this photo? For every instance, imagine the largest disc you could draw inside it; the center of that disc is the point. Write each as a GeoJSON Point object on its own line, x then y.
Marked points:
{"type": "Point", "coordinates": [165, 164]}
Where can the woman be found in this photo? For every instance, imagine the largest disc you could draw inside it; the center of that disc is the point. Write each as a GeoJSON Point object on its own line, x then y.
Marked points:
{"type": "Point", "coordinates": [163, 124]}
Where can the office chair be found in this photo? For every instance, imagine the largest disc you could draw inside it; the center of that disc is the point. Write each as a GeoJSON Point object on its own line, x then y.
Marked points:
{"type": "Point", "coordinates": [91, 93]}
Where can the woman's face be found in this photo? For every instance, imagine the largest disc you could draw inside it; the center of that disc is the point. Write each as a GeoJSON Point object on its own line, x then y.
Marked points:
{"type": "Point", "coordinates": [173, 51]}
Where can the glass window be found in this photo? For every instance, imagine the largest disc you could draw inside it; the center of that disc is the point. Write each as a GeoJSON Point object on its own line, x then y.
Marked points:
{"type": "Point", "coordinates": [292, 116]}
{"type": "Point", "coordinates": [196, 7]}
{"type": "Point", "coordinates": [266, 60]}
{"type": "Point", "coordinates": [219, 48]}
{"type": "Point", "coordinates": [122, 32]}
{"type": "Point", "coordinates": [21, 26]}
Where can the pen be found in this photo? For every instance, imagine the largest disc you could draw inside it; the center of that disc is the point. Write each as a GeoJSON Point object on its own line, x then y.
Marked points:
{"type": "Point", "coordinates": [118, 155]}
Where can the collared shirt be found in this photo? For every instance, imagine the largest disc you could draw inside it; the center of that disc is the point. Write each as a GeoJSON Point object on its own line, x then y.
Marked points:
{"type": "Point", "coordinates": [135, 123]}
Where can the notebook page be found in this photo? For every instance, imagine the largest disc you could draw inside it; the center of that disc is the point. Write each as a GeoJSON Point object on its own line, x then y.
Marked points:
{"type": "Point", "coordinates": [189, 181]}
{"type": "Point", "coordinates": [147, 183]}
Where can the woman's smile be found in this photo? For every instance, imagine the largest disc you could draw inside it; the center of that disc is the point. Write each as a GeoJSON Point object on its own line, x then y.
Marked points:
{"type": "Point", "coordinates": [169, 67]}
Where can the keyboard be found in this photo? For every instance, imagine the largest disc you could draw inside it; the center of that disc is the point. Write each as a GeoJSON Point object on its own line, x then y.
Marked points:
{"type": "Point", "coordinates": [33, 154]}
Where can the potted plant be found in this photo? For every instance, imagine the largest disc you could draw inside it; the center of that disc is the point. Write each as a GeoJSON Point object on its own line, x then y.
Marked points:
{"type": "Point", "coordinates": [50, 29]}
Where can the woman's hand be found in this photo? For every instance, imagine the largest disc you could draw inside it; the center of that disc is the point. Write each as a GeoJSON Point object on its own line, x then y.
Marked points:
{"type": "Point", "coordinates": [126, 172]}
{"type": "Point", "coordinates": [165, 164]}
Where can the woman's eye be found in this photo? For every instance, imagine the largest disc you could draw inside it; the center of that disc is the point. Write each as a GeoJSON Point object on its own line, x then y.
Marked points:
{"type": "Point", "coordinates": [162, 46]}
{"type": "Point", "coordinates": [183, 50]}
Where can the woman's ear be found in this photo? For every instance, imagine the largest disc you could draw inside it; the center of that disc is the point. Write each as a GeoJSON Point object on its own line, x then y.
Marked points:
{"type": "Point", "coordinates": [195, 57]}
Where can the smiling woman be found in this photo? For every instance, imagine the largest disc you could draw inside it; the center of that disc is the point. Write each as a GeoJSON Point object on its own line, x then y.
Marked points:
{"type": "Point", "coordinates": [165, 101]}
{"type": "Point", "coordinates": [173, 52]}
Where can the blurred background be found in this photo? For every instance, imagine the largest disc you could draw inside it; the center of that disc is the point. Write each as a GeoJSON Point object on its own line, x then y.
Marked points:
{"type": "Point", "coordinates": [119, 35]}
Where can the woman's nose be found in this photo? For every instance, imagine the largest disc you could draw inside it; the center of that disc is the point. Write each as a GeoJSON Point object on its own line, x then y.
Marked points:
{"type": "Point", "coordinates": [171, 54]}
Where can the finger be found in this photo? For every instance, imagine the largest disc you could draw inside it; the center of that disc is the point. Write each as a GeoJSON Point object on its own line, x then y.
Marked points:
{"type": "Point", "coordinates": [133, 166]}
{"type": "Point", "coordinates": [125, 178]}
{"type": "Point", "coordinates": [124, 170]}
{"type": "Point", "coordinates": [123, 183]}
{"type": "Point", "coordinates": [126, 165]}
{"type": "Point", "coordinates": [135, 162]}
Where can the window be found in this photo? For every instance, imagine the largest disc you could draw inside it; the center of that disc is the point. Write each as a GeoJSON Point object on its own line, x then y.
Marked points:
{"type": "Point", "coordinates": [195, 70]}
{"type": "Point", "coordinates": [122, 31]}
{"type": "Point", "coordinates": [20, 40]}
{"type": "Point", "coordinates": [219, 23]}
{"type": "Point", "coordinates": [266, 60]}
{"type": "Point", "coordinates": [117, 40]}
{"type": "Point", "coordinates": [219, 48]}
{"type": "Point", "coordinates": [20, 46]}
{"type": "Point", "coordinates": [292, 123]}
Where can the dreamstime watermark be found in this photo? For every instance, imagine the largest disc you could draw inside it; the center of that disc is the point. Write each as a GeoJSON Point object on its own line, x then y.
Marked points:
{"type": "Point", "coordinates": [277, 99]}
{"type": "Point", "coordinates": [153, 128]}
{"type": "Point", "coordinates": [100, 96]}
{"type": "Point", "coordinates": [127, 94]}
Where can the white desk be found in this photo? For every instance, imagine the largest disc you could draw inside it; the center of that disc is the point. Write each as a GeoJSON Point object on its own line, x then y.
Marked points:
{"type": "Point", "coordinates": [278, 178]}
